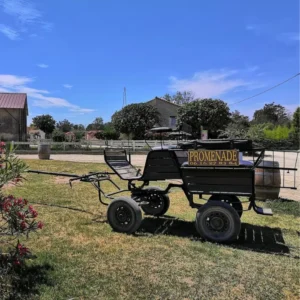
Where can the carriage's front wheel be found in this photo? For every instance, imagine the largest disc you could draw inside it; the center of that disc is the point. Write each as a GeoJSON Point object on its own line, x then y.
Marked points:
{"type": "Point", "coordinates": [218, 222]}
{"type": "Point", "coordinates": [124, 215]}
{"type": "Point", "coordinates": [158, 204]}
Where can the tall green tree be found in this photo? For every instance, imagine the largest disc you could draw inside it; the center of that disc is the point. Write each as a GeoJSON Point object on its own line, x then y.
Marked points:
{"type": "Point", "coordinates": [296, 119]}
{"type": "Point", "coordinates": [271, 113]}
{"type": "Point", "coordinates": [79, 127]}
{"type": "Point", "coordinates": [237, 127]}
{"type": "Point", "coordinates": [97, 124]}
{"type": "Point", "coordinates": [44, 122]}
{"type": "Point", "coordinates": [212, 114]}
{"type": "Point", "coordinates": [180, 97]}
{"type": "Point", "coordinates": [135, 119]}
{"type": "Point", "coordinates": [64, 126]}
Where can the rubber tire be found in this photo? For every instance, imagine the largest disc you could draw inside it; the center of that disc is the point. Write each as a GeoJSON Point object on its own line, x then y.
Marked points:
{"type": "Point", "coordinates": [148, 210]}
{"type": "Point", "coordinates": [232, 200]}
{"type": "Point", "coordinates": [229, 211]}
{"type": "Point", "coordinates": [133, 207]}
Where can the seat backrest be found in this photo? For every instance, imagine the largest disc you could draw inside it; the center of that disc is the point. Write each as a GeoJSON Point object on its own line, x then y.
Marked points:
{"type": "Point", "coordinates": [161, 165]}
{"type": "Point", "coordinates": [118, 162]}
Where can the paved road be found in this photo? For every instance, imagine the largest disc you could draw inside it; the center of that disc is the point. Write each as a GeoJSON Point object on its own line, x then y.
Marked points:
{"type": "Point", "coordinates": [289, 161]}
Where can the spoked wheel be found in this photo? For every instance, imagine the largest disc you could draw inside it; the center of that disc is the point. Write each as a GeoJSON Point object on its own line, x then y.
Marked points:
{"type": "Point", "coordinates": [158, 203]}
{"type": "Point", "coordinates": [232, 200]}
{"type": "Point", "coordinates": [124, 215]}
{"type": "Point", "coordinates": [218, 222]}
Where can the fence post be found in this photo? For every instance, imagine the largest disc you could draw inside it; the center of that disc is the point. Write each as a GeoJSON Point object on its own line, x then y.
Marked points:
{"type": "Point", "coordinates": [64, 146]}
{"type": "Point", "coordinates": [133, 145]}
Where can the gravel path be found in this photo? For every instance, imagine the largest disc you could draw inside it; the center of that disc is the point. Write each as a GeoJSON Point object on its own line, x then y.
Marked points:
{"type": "Point", "coordinates": [139, 160]}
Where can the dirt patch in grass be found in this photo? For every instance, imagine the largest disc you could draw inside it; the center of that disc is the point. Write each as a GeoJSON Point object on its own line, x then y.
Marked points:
{"type": "Point", "coordinates": [61, 180]}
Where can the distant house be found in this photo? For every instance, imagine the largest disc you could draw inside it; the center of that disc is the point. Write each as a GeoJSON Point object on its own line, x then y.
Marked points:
{"type": "Point", "coordinates": [168, 112]}
{"type": "Point", "coordinates": [90, 135]}
{"type": "Point", "coordinates": [35, 134]}
{"type": "Point", "coordinates": [13, 116]}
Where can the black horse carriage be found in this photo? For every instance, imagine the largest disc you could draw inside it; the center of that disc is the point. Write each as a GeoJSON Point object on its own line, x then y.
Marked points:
{"type": "Point", "coordinates": [203, 168]}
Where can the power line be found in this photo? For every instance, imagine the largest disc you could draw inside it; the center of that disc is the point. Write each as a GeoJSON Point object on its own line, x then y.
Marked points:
{"type": "Point", "coordinates": [271, 88]}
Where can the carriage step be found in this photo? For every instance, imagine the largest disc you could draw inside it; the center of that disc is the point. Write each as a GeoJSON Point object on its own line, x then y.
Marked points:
{"type": "Point", "coordinates": [263, 211]}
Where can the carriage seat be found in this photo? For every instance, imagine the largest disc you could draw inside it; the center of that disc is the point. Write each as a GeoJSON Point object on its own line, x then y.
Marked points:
{"type": "Point", "coordinates": [118, 162]}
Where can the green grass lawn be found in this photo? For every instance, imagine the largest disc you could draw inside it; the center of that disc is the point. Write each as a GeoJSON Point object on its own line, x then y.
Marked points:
{"type": "Point", "coordinates": [80, 257]}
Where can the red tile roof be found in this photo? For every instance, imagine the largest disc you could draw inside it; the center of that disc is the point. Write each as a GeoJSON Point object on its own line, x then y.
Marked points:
{"type": "Point", "coordinates": [13, 100]}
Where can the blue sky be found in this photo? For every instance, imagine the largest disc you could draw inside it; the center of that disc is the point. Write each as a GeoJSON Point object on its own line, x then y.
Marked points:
{"type": "Point", "coordinates": [73, 58]}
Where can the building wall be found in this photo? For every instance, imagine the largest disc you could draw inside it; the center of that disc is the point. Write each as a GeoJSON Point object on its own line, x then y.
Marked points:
{"type": "Point", "coordinates": [166, 110]}
{"type": "Point", "coordinates": [13, 124]}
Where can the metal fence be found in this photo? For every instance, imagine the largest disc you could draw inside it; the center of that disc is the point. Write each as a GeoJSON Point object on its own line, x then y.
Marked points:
{"type": "Point", "coordinates": [94, 145]}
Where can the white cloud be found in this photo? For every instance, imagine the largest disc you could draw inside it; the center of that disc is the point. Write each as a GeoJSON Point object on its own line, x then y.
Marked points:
{"type": "Point", "coordinates": [289, 37]}
{"type": "Point", "coordinates": [67, 86]}
{"type": "Point", "coordinates": [26, 15]}
{"type": "Point", "coordinates": [23, 10]}
{"type": "Point", "coordinates": [209, 84]}
{"type": "Point", "coordinates": [12, 81]}
{"type": "Point", "coordinates": [41, 98]}
{"type": "Point", "coordinates": [9, 32]}
{"type": "Point", "coordinates": [43, 66]}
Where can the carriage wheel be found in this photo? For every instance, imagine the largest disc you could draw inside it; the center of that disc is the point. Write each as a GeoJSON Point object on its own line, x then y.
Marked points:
{"type": "Point", "coordinates": [218, 222]}
{"type": "Point", "coordinates": [158, 203]}
{"type": "Point", "coordinates": [124, 215]}
{"type": "Point", "coordinates": [232, 200]}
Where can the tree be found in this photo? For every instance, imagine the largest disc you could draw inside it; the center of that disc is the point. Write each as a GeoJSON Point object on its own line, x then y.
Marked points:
{"type": "Point", "coordinates": [135, 119]}
{"type": "Point", "coordinates": [212, 114]}
{"type": "Point", "coordinates": [64, 126]}
{"type": "Point", "coordinates": [58, 136]}
{"type": "Point", "coordinates": [238, 126]}
{"type": "Point", "coordinates": [271, 113]}
{"type": "Point", "coordinates": [296, 119]}
{"type": "Point", "coordinates": [44, 122]}
{"type": "Point", "coordinates": [79, 127]}
{"type": "Point", "coordinates": [180, 97]}
{"type": "Point", "coordinates": [96, 125]}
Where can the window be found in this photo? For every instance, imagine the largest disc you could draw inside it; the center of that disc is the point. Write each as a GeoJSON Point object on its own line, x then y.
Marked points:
{"type": "Point", "coordinates": [172, 121]}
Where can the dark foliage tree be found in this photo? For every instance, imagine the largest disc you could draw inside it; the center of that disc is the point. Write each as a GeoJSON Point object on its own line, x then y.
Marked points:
{"type": "Point", "coordinates": [96, 125]}
{"type": "Point", "coordinates": [237, 128]}
{"type": "Point", "coordinates": [79, 127]}
{"type": "Point", "coordinates": [135, 119]}
{"type": "Point", "coordinates": [58, 136]}
{"type": "Point", "coordinates": [180, 97]}
{"type": "Point", "coordinates": [296, 119]}
{"type": "Point", "coordinates": [212, 114]}
{"type": "Point", "coordinates": [44, 122]}
{"type": "Point", "coordinates": [64, 126]}
{"type": "Point", "coordinates": [271, 113]}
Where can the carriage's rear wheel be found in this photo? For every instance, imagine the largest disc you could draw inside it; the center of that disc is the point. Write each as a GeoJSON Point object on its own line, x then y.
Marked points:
{"type": "Point", "coordinates": [124, 215]}
{"type": "Point", "coordinates": [232, 200]}
{"type": "Point", "coordinates": [218, 222]}
{"type": "Point", "coordinates": [158, 203]}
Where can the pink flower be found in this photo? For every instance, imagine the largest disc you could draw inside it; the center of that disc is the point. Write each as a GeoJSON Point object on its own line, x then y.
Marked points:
{"type": "Point", "coordinates": [21, 215]}
{"type": "Point", "coordinates": [40, 225]}
{"type": "Point", "coordinates": [23, 225]}
{"type": "Point", "coordinates": [22, 249]}
{"type": "Point", "coordinates": [17, 262]}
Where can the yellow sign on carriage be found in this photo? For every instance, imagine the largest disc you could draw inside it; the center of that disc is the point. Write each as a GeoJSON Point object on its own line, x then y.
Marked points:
{"type": "Point", "coordinates": [213, 157]}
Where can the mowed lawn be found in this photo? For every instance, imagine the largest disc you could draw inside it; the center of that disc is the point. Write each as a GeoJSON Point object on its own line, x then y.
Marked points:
{"type": "Point", "coordinates": [80, 257]}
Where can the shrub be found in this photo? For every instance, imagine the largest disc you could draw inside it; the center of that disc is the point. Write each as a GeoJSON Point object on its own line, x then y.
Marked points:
{"type": "Point", "coordinates": [278, 133]}
{"type": "Point", "coordinates": [17, 218]}
{"type": "Point", "coordinates": [58, 136]}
